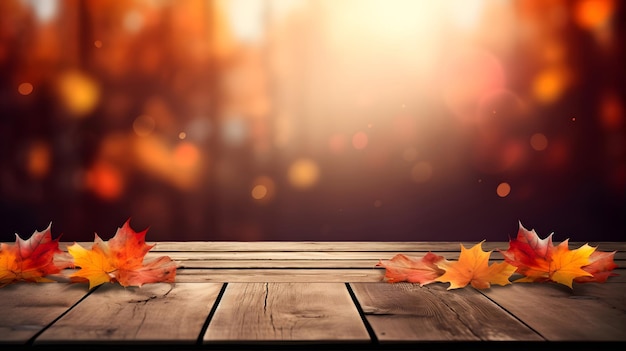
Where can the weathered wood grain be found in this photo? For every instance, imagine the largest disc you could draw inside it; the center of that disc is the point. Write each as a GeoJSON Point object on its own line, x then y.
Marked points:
{"type": "Point", "coordinates": [280, 275]}
{"type": "Point", "coordinates": [314, 256]}
{"type": "Point", "coordinates": [405, 312]}
{"type": "Point", "coordinates": [153, 312]}
{"type": "Point", "coordinates": [588, 312]}
{"type": "Point", "coordinates": [27, 308]}
{"type": "Point", "coordinates": [307, 264]}
{"type": "Point", "coordinates": [347, 246]}
{"type": "Point", "coordinates": [315, 312]}
{"type": "Point", "coordinates": [295, 292]}
{"type": "Point", "coordinates": [420, 246]}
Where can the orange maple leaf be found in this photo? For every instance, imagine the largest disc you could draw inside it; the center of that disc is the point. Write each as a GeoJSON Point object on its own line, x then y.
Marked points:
{"type": "Point", "coordinates": [30, 260]}
{"type": "Point", "coordinates": [600, 267]}
{"type": "Point", "coordinates": [539, 260]}
{"type": "Point", "coordinates": [121, 260]}
{"type": "Point", "coordinates": [473, 268]}
{"type": "Point", "coordinates": [422, 270]}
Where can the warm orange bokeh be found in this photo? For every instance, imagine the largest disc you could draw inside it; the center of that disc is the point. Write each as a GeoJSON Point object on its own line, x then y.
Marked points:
{"type": "Point", "coordinates": [313, 119]}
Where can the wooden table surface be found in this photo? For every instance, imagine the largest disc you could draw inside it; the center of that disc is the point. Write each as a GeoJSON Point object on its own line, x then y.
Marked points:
{"type": "Point", "coordinates": [318, 295]}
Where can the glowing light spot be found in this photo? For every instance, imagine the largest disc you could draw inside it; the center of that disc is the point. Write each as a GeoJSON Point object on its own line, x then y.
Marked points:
{"type": "Point", "coordinates": [539, 141]}
{"type": "Point", "coordinates": [25, 88]}
{"type": "Point", "coordinates": [611, 112]}
{"type": "Point", "coordinates": [105, 181]}
{"type": "Point", "coordinates": [337, 143]}
{"type": "Point", "coordinates": [303, 173]}
{"type": "Point", "coordinates": [468, 76]}
{"type": "Point", "coordinates": [258, 192]}
{"type": "Point", "coordinates": [591, 14]}
{"type": "Point", "coordinates": [198, 129]}
{"type": "Point", "coordinates": [409, 154]}
{"type": "Point", "coordinates": [38, 159]}
{"type": "Point", "coordinates": [234, 131]}
{"type": "Point", "coordinates": [186, 155]}
{"type": "Point", "coordinates": [503, 189]}
{"type": "Point", "coordinates": [359, 140]}
{"type": "Point", "coordinates": [133, 21]}
{"type": "Point", "coordinates": [465, 14]}
{"type": "Point", "coordinates": [421, 172]}
{"type": "Point", "coordinates": [263, 189]}
{"type": "Point", "coordinates": [44, 11]}
{"type": "Point", "coordinates": [97, 44]}
{"type": "Point", "coordinates": [182, 135]}
{"type": "Point", "coordinates": [378, 203]}
{"type": "Point", "coordinates": [144, 125]}
{"type": "Point", "coordinates": [79, 92]}
{"type": "Point", "coordinates": [550, 84]}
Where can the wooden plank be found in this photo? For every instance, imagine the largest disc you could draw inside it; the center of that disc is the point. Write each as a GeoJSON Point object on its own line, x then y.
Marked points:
{"type": "Point", "coordinates": [311, 255]}
{"type": "Point", "coordinates": [404, 312]}
{"type": "Point", "coordinates": [588, 312]}
{"type": "Point", "coordinates": [172, 313]}
{"type": "Point", "coordinates": [315, 312]}
{"type": "Point", "coordinates": [356, 263]}
{"type": "Point", "coordinates": [280, 275]}
{"type": "Point", "coordinates": [381, 246]}
{"type": "Point", "coordinates": [308, 264]}
{"type": "Point", "coordinates": [27, 308]}
{"type": "Point", "coordinates": [303, 275]}
{"type": "Point", "coordinates": [305, 255]}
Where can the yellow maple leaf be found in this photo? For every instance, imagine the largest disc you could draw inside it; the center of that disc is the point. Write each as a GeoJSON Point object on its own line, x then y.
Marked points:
{"type": "Point", "coordinates": [564, 265]}
{"type": "Point", "coordinates": [473, 268]}
{"type": "Point", "coordinates": [95, 265]}
{"type": "Point", "coordinates": [121, 260]}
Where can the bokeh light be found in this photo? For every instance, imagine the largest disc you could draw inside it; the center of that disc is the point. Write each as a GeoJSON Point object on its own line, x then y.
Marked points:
{"type": "Point", "coordinates": [360, 140]}
{"type": "Point", "coordinates": [79, 92]}
{"type": "Point", "coordinates": [39, 159]}
{"type": "Point", "coordinates": [503, 189]}
{"type": "Point", "coordinates": [263, 189]}
{"type": "Point", "coordinates": [303, 173]}
{"type": "Point", "coordinates": [314, 119]}
{"type": "Point", "coordinates": [421, 172]}
{"type": "Point", "coordinates": [25, 88]}
{"type": "Point", "coordinates": [144, 125]}
{"type": "Point", "coordinates": [539, 141]}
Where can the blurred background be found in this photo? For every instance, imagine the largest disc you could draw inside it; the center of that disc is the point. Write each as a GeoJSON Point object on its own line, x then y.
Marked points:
{"type": "Point", "coordinates": [313, 119]}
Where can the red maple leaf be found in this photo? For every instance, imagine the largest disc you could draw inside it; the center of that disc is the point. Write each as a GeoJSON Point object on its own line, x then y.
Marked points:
{"type": "Point", "coordinates": [30, 260]}
{"type": "Point", "coordinates": [402, 268]}
{"type": "Point", "coordinates": [539, 260]}
{"type": "Point", "coordinates": [121, 260]}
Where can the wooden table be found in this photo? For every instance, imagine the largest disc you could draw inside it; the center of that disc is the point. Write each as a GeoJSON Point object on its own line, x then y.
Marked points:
{"type": "Point", "coordinates": [318, 295]}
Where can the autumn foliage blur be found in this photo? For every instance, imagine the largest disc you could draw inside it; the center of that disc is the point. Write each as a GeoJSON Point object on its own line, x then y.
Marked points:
{"type": "Point", "coordinates": [313, 119]}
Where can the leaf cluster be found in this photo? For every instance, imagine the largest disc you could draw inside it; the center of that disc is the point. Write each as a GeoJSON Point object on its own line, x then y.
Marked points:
{"type": "Point", "coordinates": [119, 260]}
{"type": "Point", "coordinates": [533, 258]}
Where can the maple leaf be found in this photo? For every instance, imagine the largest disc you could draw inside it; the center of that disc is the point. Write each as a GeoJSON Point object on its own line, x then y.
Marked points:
{"type": "Point", "coordinates": [402, 268]}
{"type": "Point", "coordinates": [473, 268]}
{"type": "Point", "coordinates": [600, 267]}
{"type": "Point", "coordinates": [539, 260]}
{"type": "Point", "coordinates": [121, 260]}
{"type": "Point", "coordinates": [30, 260]}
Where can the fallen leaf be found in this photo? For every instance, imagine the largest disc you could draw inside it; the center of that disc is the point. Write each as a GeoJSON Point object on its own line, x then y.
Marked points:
{"type": "Point", "coordinates": [121, 260]}
{"type": "Point", "coordinates": [600, 267]}
{"type": "Point", "coordinates": [539, 260]}
{"type": "Point", "coordinates": [402, 268]}
{"type": "Point", "coordinates": [30, 260]}
{"type": "Point", "coordinates": [473, 268]}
